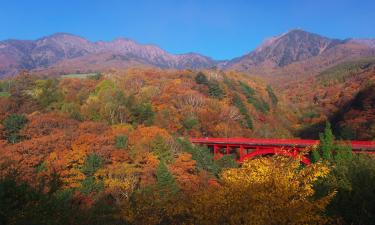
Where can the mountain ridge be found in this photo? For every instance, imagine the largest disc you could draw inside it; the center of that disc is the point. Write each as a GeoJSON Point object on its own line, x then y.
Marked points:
{"type": "Point", "coordinates": [64, 50]}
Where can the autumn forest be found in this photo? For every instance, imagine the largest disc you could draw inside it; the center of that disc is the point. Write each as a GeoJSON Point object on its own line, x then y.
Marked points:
{"type": "Point", "coordinates": [187, 112]}
{"type": "Point", "coordinates": [113, 148]}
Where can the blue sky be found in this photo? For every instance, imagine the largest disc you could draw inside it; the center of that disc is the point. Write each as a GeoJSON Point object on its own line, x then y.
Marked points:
{"type": "Point", "coordinates": [219, 29]}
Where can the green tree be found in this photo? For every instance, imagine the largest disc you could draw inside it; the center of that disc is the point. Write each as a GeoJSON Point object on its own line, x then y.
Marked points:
{"type": "Point", "coordinates": [214, 89]}
{"type": "Point", "coordinates": [190, 123]}
{"type": "Point", "coordinates": [161, 150]}
{"type": "Point", "coordinates": [201, 78]}
{"type": "Point", "coordinates": [227, 161]}
{"type": "Point", "coordinates": [21, 203]}
{"type": "Point", "coordinates": [258, 103]}
{"type": "Point", "coordinates": [343, 153]}
{"type": "Point", "coordinates": [329, 149]}
{"type": "Point", "coordinates": [315, 155]}
{"type": "Point", "coordinates": [165, 181]}
{"type": "Point", "coordinates": [272, 95]}
{"type": "Point", "coordinates": [92, 163]}
{"type": "Point", "coordinates": [203, 157]}
{"type": "Point", "coordinates": [46, 92]}
{"type": "Point", "coordinates": [121, 141]}
{"type": "Point", "coordinates": [13, 124]}
{"type": "Point", "coordinates": [326, 145]}
{"type": "Point", "coordinates": [90, 185]}
{"type": "Point", "coordinates": [143, 113]}
{"type": "Point", "coordinates": [239, 104]}
{"type": "Point", "coordinates": [353, 180]}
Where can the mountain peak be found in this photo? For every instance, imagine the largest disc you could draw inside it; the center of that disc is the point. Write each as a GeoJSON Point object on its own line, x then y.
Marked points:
{"type": "Point", "coordinates": [297, 30]}
{"type": "Point", "coordinates": [70, 51]}
{"type": "Point", "coordinates": [61, 35]}
{"type": "Point", "coordinates": [289, 47]}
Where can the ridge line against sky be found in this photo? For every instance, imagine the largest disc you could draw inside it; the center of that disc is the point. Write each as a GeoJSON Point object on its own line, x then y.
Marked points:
{"type": "Point", "coordinates": [218, 29]}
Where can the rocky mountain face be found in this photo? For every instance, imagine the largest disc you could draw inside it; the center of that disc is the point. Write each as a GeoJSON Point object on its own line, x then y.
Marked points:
{"type": "Point", "coordinates": [293, 52]}
{"type": "Point", "coordinates": [67, 49]}
{"type": "Point", "coordinates": [287, 48]}
{"type": "Point", "coordinates": [300, 49]}
{"type": "Point", "coordinates": [369, 42]}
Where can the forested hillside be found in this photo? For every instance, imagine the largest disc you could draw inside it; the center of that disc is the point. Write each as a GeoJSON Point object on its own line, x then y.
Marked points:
{"type": "Point", "coordinates": [129, 116]}
{"type": "Point", "coordinates": [110, 148]}
{"type": "Point", "coordinates": [211, 103]}
{"type": "Point", "coordinates": [342, 94]}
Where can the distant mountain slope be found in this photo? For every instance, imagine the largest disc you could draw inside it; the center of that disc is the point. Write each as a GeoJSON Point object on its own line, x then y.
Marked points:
{"type": "Point", "coordinates": [16, 55]}
{"type": "Point", "coordinates": [368, 42]}
{"type": "Point", "coordinates": [343, 94]}
{"type": "Point", "coordinates": [295, 45]}
{"type": "Point", "coordinates": [298, 52]}
{"type": "Point", "coordinates": [293, 53]}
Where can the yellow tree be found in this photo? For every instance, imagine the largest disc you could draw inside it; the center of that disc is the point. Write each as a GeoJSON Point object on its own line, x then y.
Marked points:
{"type": "Point", "coordinates": [263, 191]}
{"type": "Point", "coordinates": [120, 180]}
{"type": "Point", "coordinates": [68, 165]}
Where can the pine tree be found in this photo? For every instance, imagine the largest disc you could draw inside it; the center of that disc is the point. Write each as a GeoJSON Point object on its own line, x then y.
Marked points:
{"type": "Point", "coordinates": [92, 163]}
{"type": "Point", "coordinates": [214, 89]}
{"type": "Point", "coordinates": [160, 149]}
{"type": "Point", "coordinates": [121, 141]}
{"type": "Point", "coordinates": [343, 153]}
{"type": "Point", "coordinates": [326, 142]}
{"type": "Point", "coordinates": [239, 104]}
{"type": "Point", "coordinates": [315, 155]}
{"type": "Point", "coordinates": [165, 181]}
{"type": "Point", "coordinates": [201, 78]}
{"type": "Point", "coordinates": [13, 124]}
{"type": "Point", "coordinates": [272, 95]}
{"type": "Point", "coordinates": [143, 113]}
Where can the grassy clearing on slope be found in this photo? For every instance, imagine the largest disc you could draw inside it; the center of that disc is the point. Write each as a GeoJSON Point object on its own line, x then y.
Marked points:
{"type": "Point", "coordinates": [4, 94]}
{"type": "Point", "coordinates": [80, 76]}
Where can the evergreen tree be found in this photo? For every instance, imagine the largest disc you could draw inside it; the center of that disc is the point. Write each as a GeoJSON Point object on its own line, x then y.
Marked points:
{"type": "Point", "coordinates": [353, 180]}
{"type": "Point", "coordinates": [343, 153]}
{"type": "Point", "coordinates": [239, 104]}
{"type": "Point", "coordinates": [143, 113]}
{"type": "Point", "coordinates": [200, 78]}
{"type": "Point", "coordinates": [13, 124]}
{"type": "Point", "coordinates": [251, 95]}
{"type": "Point", "coordinates": [272, 95]}
{"type": "Point", "coordinates": [326, 142]}
{"type": "Point", "coordinates": [92, 163]}
{"type": "Point", "coordinates": [315, 155]}
{"type": "Point", "coordinates": [165, 181]}
{"type": "Point", "coordinates": [190, 123]}
{"type": "Point", "coordinates": [214, 89]}
{"type": "Point", "coordinates": [203, 157]}
{"type": "Point", "coordinates": [121, 141]}
{"type": "Point", "coordinates": [161, 150]}
{"type": "Point", "coordinates": [226, 161]}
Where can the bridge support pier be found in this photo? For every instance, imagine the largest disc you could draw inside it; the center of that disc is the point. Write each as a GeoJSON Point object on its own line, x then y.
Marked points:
{"type": "Point", "coordinates": [241, 152]}
{"type": "Point", "coordinates": [216, 148]}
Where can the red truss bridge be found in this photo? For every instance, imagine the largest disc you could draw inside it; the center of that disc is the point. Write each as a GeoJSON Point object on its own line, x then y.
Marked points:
{"type": "Point", "coordinates": [246, 148]}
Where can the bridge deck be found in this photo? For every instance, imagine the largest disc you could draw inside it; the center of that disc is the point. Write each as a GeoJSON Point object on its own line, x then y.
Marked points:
{"type": "Point", "coordinates": [356, 145]}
